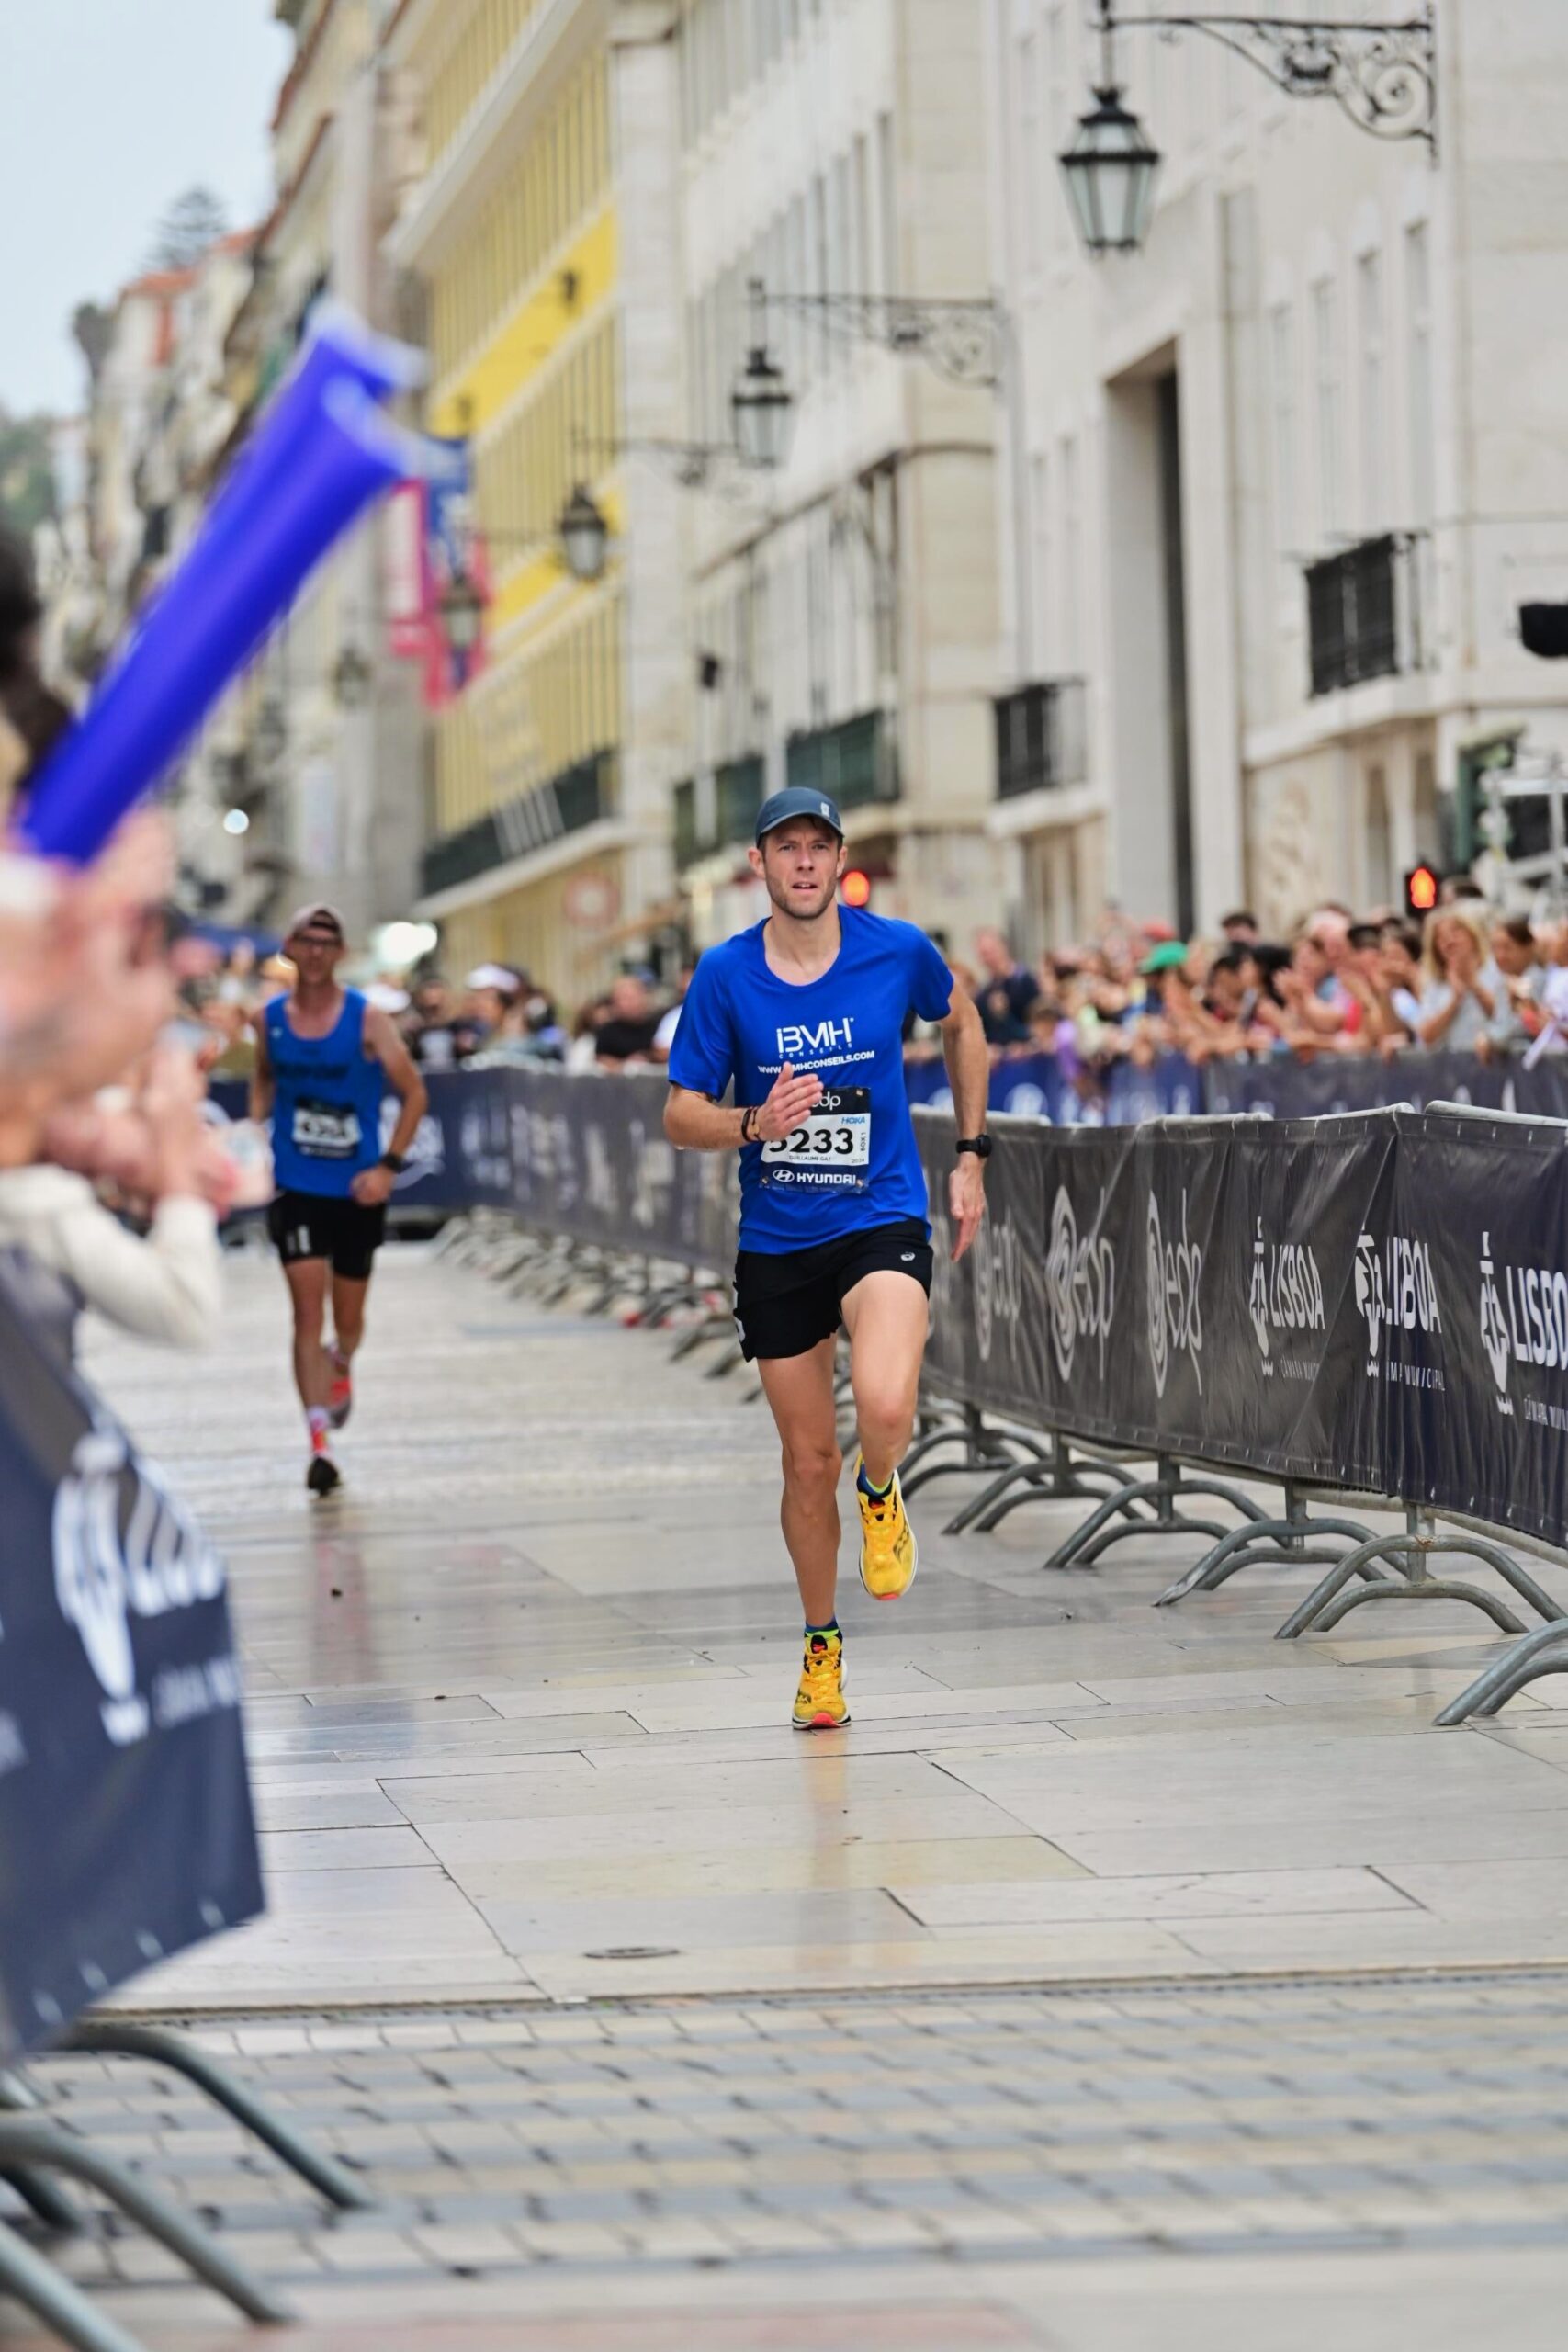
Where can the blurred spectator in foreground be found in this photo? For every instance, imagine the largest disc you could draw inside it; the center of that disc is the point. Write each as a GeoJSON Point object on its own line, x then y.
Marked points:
{"type": "Point", "coordinates": [1005, 991]}
{"type": "Point", "coordinates": [166, 1286]}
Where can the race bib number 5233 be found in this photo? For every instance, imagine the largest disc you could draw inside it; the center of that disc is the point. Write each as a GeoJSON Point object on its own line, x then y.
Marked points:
{"type": "Point", "coordinates": [830, 1146]}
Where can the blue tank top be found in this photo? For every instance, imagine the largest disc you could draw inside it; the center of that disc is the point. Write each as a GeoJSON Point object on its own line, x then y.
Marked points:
{"type": "Point", "coordinates": [326, 1116]}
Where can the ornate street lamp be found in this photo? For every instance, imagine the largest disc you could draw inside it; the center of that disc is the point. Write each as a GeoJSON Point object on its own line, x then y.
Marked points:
{"type": "Point", "coordinates": [761, 406]}
{"type": "Point", "coordinates": [270, 733]}
{"type": "Point", "coordinates": [584, 536]}
{"type": "Point", "coordinates": [1109, 169]}
{"type": "Point", "coordinates": [1382, 75]}
{"type": "Point", "coordinates": [354, 677]}
{"type": "Point", "coordinates": [462, 612]}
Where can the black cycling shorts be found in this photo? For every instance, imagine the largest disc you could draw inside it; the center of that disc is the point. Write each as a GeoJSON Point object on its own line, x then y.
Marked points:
{"type": "Point", "coordinates": [311, 1225]}
{"type": "Point", "coordinates": [785, 1301]}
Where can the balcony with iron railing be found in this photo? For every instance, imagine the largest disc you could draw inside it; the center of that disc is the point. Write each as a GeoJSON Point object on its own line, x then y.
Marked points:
{"type": "Point", "coordinates": [855, 763]}
{"type": "Point", "coordinates": [1367, 611]}
{"type": "Point", "coordinates": [722, 818]}
{"type": "Point", "coordinates": [579, 796]}
{"type": "Point", "coordinates": [1041, 738]}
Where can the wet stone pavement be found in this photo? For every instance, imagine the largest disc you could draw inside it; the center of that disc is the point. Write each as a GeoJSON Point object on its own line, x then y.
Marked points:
{"type": "Point", "coordinates": [1117, 1979]}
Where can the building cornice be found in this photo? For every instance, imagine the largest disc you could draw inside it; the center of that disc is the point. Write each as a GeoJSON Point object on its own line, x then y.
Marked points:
{"type": "Point", "coordinates": [1053, 805]}
{"type": "Point", "coordinates": [425, 29]}
{"type": "Point", "coordinates": [474, 162]}
{"type": "Point", "coordinates": [304, 58]}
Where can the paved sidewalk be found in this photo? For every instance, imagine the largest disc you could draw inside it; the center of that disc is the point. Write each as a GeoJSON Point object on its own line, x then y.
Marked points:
{"type": "Point", "coordinates": [519, 1711]}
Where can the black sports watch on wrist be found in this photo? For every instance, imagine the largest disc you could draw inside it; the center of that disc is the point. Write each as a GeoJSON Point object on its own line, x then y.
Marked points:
{"type": "Point", "coordinates": [395, 1161]}
{"type": "Point", "coordinates": [980, 1145]}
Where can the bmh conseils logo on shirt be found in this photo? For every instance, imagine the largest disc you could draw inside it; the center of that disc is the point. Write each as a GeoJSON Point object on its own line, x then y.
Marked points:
{"type": "Point", "coordinates": [1175, 1319]}
{"type": "Point", "coordinates": [796, 1041]}
{"type": "Point", "coordinates": [1286, 1292]}
{"type": "Point", "coordinates": [1080, 1283]}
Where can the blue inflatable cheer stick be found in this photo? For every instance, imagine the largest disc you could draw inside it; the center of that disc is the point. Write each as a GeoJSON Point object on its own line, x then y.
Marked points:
{"type": "Point", "coordinates": [211, 616]}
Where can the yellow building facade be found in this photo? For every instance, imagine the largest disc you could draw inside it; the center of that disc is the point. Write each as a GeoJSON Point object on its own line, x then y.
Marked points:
{"type": "Point", "coordinates": [547, 833]}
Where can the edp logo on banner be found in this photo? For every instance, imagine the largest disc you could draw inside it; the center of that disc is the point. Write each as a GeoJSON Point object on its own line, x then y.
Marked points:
{"type": "Point", "coordinates": [1176, 1315]}
{"type": "Point", "coordinates": [1080, 1282]}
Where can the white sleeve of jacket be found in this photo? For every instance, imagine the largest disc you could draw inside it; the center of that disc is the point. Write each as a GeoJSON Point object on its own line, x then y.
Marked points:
{"type": "Point", "coordinates": [167, 1287]}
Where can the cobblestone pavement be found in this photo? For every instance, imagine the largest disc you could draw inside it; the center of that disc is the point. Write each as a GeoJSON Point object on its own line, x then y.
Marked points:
{"type": "Point", "coordinates": [523, 2160]}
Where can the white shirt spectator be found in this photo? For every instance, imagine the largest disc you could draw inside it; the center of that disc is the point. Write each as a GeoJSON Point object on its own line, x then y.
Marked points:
{"type": "Point", "coordinates": [167, 1287]}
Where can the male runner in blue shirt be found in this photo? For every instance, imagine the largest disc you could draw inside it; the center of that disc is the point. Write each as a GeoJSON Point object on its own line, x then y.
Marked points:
{"type": "Point", "coordinates": [324, 1060]}
{"type": "Point", "coordinates": [804, 1015]}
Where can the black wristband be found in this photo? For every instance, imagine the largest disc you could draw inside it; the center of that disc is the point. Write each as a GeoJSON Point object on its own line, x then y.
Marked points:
{"type": "Point", "coordinates": [395, 1161]}
{"type": "Point", "coordinates": [748, 1120]}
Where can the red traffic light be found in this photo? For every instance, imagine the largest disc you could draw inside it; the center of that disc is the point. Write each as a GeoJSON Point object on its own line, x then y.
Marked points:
{"type": "Point", "coordinates": [855, 888]}
{"type": "Point", "coordinates": [1422, 885]}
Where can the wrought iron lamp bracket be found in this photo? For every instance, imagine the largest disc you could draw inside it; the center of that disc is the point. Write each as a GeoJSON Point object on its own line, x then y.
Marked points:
{"type": "Point", "coordinates": [961, 338]}
{"type": "Point", "coordinates": [1383, 75]}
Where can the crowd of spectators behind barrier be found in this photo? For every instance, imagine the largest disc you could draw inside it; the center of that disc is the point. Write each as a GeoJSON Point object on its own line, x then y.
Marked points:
{"type": "Point", "coordinates": [113, 1010]}
{"type": "Point", "coordinates": [1467, 980]}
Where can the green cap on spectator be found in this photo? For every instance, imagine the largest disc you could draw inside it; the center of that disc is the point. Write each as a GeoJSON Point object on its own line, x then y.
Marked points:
{"type": "Point", "coordinates": [1168, 956]}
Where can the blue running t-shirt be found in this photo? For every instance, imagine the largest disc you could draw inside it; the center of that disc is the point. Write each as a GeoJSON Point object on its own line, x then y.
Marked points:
{"type": "Point", "coordinates": [853, 1162]}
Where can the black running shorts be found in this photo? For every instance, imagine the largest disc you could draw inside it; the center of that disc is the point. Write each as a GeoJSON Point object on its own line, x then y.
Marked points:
{"type": "Point", "coordinates": [310, 1225]}
{"type": "Point", "coordinates": [787, 1302]}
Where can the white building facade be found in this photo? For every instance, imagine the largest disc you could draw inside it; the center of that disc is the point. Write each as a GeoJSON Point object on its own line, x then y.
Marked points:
{"type": "Point", "coordinates": [1278, 480]}
{"type": "Point", "coordinates": [842, 610]}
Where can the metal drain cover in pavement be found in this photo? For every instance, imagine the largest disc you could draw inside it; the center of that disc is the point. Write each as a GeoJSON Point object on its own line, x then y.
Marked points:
{"type": "Point", "coordinates": [636, 1951]}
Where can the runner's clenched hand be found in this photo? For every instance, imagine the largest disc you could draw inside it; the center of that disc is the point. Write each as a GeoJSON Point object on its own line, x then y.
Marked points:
{"type": "Point", "coordinates": [965, 1201]}
{"type": "Point", "coordinates": [788, 1103]}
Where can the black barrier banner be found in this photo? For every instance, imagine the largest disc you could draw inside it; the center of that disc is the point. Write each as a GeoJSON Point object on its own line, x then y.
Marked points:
{"type": "Point", "coordinates": [1090, 1242]}
{"type": "Point", "coordinates": [1307, 1212]}
{"type": "Point", "coordinates": [988, 1313]}
{"type": "Point", "coordinates": [1284, 1088]}
{"type": "Point", "coordinates": [591, 1161]}
{"type": "Point", "coordinates": [1473, 1308]}
{"type": "Point", "coordinates": [125, 1831]}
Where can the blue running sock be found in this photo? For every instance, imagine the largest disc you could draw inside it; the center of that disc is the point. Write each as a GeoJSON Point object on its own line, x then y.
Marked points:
{"type": "Point", "coordinates": [878, 1494]}
{"type": "Point", "coordinates": [831, 1627]}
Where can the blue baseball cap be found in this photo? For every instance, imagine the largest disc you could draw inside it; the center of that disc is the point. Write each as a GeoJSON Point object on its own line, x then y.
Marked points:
{"type": "Point", "coordinates": [798, 800]}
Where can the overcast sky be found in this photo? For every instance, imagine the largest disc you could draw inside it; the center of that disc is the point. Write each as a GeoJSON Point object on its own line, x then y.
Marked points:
{"type": "Point", "coordinates": [108, 109]}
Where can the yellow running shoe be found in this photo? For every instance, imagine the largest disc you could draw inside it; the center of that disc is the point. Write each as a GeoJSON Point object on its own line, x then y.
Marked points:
{"type": "Point", "coordinates": [889, 1553]}
{"type": "Point", "coordinates": [820, 1701]}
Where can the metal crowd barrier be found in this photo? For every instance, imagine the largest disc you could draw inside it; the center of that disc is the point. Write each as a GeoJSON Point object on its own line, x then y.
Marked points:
{"type": "Point", "coordinates": [1362, 1311]}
